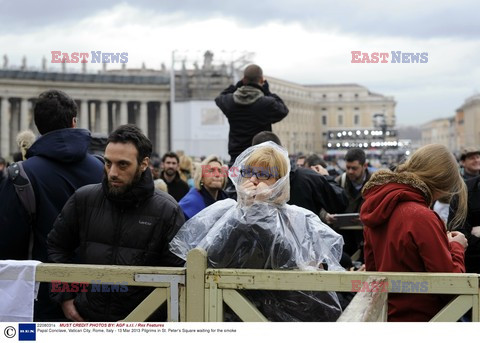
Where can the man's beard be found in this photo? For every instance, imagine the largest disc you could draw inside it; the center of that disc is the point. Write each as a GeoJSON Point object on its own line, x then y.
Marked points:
{"type": "Point", "coordinates": [120, 190]}
{"type": "Point", "coordinates": [170, 171]}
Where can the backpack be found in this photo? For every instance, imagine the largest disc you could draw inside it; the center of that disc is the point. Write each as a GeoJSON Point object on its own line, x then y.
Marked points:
{"type": "Point", "coordinates": [26, 195]}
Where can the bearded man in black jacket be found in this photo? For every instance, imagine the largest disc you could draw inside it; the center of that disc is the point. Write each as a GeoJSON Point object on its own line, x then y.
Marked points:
{"type": "Point", "coordinates": [250, 108]}
{"type": "Point", "coordinates": [122, 221]}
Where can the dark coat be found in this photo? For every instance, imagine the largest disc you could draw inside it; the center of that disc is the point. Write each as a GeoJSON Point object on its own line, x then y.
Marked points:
{"type": "Point", "coordinates": [253, 246]}
{"type": "Point", "coordinates": [133, 229]}
{"type": "Point", "coordinates": [177, 188]}
{"type": "Point", "coordinates": [313, 191]}
{"type": "Point", "coordinates": [57, 165]}
{"type": "Point", "coordinates": [472, 254]}
{"type": "Point", "coordinates": [249, 109]}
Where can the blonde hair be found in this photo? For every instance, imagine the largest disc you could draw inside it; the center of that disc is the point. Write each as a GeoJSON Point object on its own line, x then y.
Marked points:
{"type": "Point", "coordinates": [197, 179]}
{"type": "Point", "coordinates": [185, 167]}
{"type": "Point", "coordinates": [269, 158]}
{"type": "Point", "coordinates": [436, 166]}
{"type": "Point", "coordinates": [161, 185]}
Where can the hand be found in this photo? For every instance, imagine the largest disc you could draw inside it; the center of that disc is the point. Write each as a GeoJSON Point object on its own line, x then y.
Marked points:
{"type": "Point", "coordinates": [476, 231]}
{"type": "Point", "coordinates": [263, 192]}
{"type": "Point", "coordinates": [458, 237]}
{"type": "Point", "coordinates": [266, 88]}
{"type": "Point", "coordinates": [330, 218]}
{"type": "Point", "coordinates": [258, 192]}
{"type": "Point", "coordinates": [319, 169]}
{"type": "Point", "coordinates": [70, 311]}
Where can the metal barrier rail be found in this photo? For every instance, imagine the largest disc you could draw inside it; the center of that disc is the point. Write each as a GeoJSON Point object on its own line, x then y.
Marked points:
{"type": "Point", "coordinates": [198, 294]}
{"type": "Point", "coordinates": [169, 284]}
{"type": "Point", "coordinates": [220, 286]}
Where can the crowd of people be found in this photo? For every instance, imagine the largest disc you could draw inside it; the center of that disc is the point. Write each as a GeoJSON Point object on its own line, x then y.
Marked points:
{"type": "Point", "coordinates": [259, 210]}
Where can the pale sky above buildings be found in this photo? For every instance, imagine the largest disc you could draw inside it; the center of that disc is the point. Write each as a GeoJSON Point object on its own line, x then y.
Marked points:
{"type": "Point", "coordinates": [303, 41]}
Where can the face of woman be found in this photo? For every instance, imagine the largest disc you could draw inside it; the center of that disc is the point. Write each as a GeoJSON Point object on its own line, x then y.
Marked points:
{"type": "Point", "coordinates": [212, 176]}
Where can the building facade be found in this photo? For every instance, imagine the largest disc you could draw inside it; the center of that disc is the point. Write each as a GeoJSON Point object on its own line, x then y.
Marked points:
{"type": "Point", "coordinates": [143, 97]}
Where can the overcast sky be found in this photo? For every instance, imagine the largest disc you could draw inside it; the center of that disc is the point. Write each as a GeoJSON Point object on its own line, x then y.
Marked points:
{"type": "Point", "coordinates": [304, 41]}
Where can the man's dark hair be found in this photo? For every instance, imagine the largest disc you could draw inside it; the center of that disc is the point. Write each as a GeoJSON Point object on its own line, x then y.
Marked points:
{"type": "Point", "coordinates": [315, 160]}
{"type": "Point", "coordinates": [54, 110]}
{"type": "Point", "coordinates": [355, 154]}
{"type": "Point", "coordinates": [170, 154]}
{"type": "Point", "coordinates": [130, 133]}
{"type": "Point", "coordinates": [253, 74]}
{"type": "Point", "coordinates": [265, 136]}
{"type": "Point", "coordinates": [3, 161]}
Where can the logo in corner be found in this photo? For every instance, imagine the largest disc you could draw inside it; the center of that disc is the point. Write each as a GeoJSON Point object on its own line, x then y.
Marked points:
{"type": "Point", "coordinates": [10, 332]}
{"type": "Point", "coordinates": [27, 332]}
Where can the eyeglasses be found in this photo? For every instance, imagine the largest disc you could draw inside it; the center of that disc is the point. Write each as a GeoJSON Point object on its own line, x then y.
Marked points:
{"type": "Point", "coordinates": [261, 173]}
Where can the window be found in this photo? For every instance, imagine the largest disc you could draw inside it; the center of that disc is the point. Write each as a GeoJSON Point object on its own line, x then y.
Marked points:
{"type": "Point", "coordinates": [356, 119]}
{"type": "Point", "coordinates": [340, 119]}
{"type": "Point", "coordinates": [340, 108]}
{"type": "Point", "coordinates": [324, 120]}
{"type": "Point", "coordinates": [339, 95]}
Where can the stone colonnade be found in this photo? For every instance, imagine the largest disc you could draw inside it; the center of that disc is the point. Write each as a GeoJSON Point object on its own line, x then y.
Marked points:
{"type": "Point", "coordinates": [100, 116]}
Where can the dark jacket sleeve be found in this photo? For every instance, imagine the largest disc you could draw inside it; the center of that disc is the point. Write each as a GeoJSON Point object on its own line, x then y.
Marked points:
{"type": "Point", "coordinates": [277, 109]}
{"type": "Point", "coordinates": [330, 195]}
{"type": "Point", "coordinates": [176, 222]}
{"type": "Point", "coordinates": [14, 226]}
{"type": "Point", "coordinates": [62, 241]}
{"type": "Point", "coordinates": [220, 100]}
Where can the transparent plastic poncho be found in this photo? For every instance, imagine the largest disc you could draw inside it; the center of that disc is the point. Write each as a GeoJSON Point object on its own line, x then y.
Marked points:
{"type": "Point", "coordinates": [261, 231]}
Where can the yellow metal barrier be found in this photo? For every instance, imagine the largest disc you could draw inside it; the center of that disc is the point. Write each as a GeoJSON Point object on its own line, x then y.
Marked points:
{"type": "Point", "coordinates": [198, 294]}
{"type": "Point", "coordinates": [221, 285]}
{"type": "Point", "coordinates": [169, 284]}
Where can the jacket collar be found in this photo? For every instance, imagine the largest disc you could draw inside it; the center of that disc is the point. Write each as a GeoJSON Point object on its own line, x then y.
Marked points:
{"type": "Point", "coordinates": [140, 191]}
{"type": "Point", "coordinates": [383, 177]}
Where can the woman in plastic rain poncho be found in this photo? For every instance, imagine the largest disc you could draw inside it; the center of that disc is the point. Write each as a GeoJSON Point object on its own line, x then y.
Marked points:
{"type": "Point", "coordinates": [262, 232]}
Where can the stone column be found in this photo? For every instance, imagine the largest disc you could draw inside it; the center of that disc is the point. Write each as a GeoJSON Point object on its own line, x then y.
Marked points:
{"type": "Point", "coordinates": [104, 117]}
{"type": "Point", "coordinates": [123, 113]}
{"type": "Point", "coordinates": [24, 108]}
{"type": "Point", "coordinates": [143, 123]}
{"type": "Point", "coordinates": [114, 107]}
{"type": "Point", "coordinates": [5, 129]}
{"type": "Point", "coordinates": [163, 128]}
{"type": "Point", "coordinates": [83, 123]}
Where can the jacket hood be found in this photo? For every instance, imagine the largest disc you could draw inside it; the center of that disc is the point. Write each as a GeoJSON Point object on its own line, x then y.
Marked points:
{"type": "Point", "coordinates": [247, 95]}
{"type": "Point", "coordinates": [385, 190]}
{"type": "Point", "coordinates": [64, 145]}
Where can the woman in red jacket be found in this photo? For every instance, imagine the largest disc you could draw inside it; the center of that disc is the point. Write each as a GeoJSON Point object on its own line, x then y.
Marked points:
{"type": "Point", "coordinates": [403, 234]}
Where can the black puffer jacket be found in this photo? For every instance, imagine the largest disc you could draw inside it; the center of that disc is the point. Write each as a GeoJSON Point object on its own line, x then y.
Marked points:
{"type": "Point", "coordinates": [134, 230]}
{"type": "Point", "coordinates": [249, 109]}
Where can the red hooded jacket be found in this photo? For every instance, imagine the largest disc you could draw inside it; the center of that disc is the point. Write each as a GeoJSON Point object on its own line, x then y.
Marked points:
{"type": "Point", "coordinates": [402, 234]}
